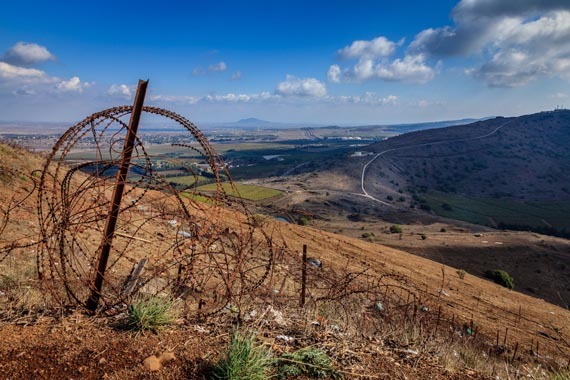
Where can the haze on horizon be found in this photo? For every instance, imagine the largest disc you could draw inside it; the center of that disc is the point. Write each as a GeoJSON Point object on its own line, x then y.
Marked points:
{"type": "Point", "coordinates": [357, 62]}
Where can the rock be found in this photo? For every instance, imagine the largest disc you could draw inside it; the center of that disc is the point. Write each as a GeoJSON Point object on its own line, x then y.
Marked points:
{"type": "Point", "coordinates": [102, 361]}
{"type": "Point", "coordinates": [165, 357]}
{"type": "Point", "coordinates": [152, 363]}
{"type": "Point", "coordinates": [425, 309]}
{"type": "Point", "coordinates": [285, 338]}
{"type": "Point", "coordinates": [185, 234]}
{"type": "Point", "coordinates": [379, 307]}
{"type": "Point", "coordinates": [315, 262]}
{"type": "Point", "coordinates": [155, 363]}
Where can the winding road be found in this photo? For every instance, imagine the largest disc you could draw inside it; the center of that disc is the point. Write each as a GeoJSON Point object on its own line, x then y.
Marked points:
{"type": "Point", "coordinates": [365, 193]}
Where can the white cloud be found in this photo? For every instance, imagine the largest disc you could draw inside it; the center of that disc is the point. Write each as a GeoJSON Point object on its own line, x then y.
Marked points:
{"type": "Point", "coordinates": [8, 71]}
{"type": "Point", "coordinates": [410, 68]}
{"type": "Point", "coordinates": [121, 90]}
{"type": "Point", "coordinates": [27, 54]}
{"type": "Point", "coordinates": [302, 87]}
{"type": "Point", "coordinates": [236, 75]}
{"type": "Point", "coordinates": [229, 98]}
{"type": "Point", "coordinates": [368, 98]}
{"type": "Point", "coordinates": [220, 66]}
{"type": "Point", "coordinates": [374, 62]}
{"type": "Point", "coordinates": [333, 75]}
{"type": "Point", "coordinates": [174, 99]}
{"type": "Point", "coordinates": [559, 95]}
{"type": "Point", "coordinates": [377, 47]}
{"type": "Point", "coordinates": [18, 79]}
{"type": "Point", "coordinates": [520, 40]}
{"type": "Point", "coordinates": [73, 85]}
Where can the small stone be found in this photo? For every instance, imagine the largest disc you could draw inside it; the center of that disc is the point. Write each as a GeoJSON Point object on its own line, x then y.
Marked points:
{"type": "Point", "coordinates": [152, 363]}
{"type": "Point", "coordinates": [379, 307]}
{"type": "Point", "coordinates": [165, 357]}
{"type": "Point", "coordinates": [425, 309]}
{"type": "Point", "coordinates": [285, 338]}
{"type": "Point", "coordinates": [102, 361]}
{"type": "Point", "coordinates": [315, 262]}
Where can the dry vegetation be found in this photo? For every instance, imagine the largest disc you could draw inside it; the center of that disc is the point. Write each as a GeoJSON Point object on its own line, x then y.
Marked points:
{"type": "Point", "coordinates": [376, 312]}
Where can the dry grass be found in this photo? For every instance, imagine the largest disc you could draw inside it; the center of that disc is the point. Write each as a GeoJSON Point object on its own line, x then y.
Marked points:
{"type": "Point", "coordinates": [20, 293]}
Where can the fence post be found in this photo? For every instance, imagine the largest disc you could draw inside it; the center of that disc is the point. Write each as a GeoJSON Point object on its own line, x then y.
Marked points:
{"type": "Point", "coordinates": [303, 277]}
{"type": "Point", "coordinates": [115, 207]}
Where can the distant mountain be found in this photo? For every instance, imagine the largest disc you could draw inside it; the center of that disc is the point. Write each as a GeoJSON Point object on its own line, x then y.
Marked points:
{"type": "Point", "coordinates": [404, 128]}
{"type": "Point", "coordinates": [253, 120]}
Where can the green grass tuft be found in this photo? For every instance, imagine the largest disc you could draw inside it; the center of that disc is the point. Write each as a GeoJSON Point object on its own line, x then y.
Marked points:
{"type": "Point", "coordinates": [244, 360]}
{"type": "Point", "coordinates": [308, 361]}
{"type": "Point", "coordinates": [152, 313]}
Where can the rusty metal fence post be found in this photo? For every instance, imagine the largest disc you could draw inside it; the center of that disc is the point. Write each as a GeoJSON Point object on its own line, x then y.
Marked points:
{"type": "Point", "coordinates": [303, 277]}
{"type": "Point", "coordinates": [121, 179]}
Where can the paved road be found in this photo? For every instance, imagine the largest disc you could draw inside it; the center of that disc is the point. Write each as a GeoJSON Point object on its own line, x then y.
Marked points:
{"type": "Point", "coordinates": [365, 193]}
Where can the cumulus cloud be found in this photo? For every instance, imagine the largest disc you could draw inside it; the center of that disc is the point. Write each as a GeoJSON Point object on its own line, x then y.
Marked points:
{"type": "Point", "coordinates": [27, 54]}
{"type": "Point", "coordinates": [520, 40]}
{"type": "Point", "coordinates": [377, 47]}
{"type": "Point", "coordinates": [17, 78]}
{"type": "Point", "coordinates": [121, 90]}
{"type": "Point", "coordinates": [236, 75]}
{"type": "Point", "coordinates": [8, 71]}
{"type": "Point", "coordinates": [410, 68]}
{"type": "Point", "coordinates": [333, 75]}
{"type": "Point", "coordinates": [302, 87]}
{"type": "Point", "coordinates": [375, 62]}
{"type": "Point", "coordinates": [220, 66]}
{"type": "Point", "coordinates": [74, 84]}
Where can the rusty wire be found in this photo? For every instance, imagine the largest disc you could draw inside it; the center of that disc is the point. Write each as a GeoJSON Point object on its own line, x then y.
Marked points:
{"type": "Point", "coordinates": [186, 243]}
{"type": "Point", "coordinates": [11, 205]}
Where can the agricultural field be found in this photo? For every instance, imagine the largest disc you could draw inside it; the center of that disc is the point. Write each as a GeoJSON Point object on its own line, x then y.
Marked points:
{"type": "Point", "coordinates": [248, 192]}
{"type": "Point", "coordinates": [187, 180]}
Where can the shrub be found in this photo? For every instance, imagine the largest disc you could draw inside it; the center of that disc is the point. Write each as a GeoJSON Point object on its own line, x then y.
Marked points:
{"type": "Point", "coordinates": [244, 360]}
{"type": "Point", "coordinates": [151, 313]}
{"type": "Point", "coordinates": [501, 277]}
{"type": "Point", "coordinates": [446, 207]}
{"type": "Point", "coordinates": [443, 230]}
{"type": "Point", "coordinates": [461, 273]}
{"type": "Point", "coordinates": [390, 198]}
{"type": "Point", "coordinates": [308, 361]}
{"type": "Point", "coordinates": [303, 220]}
{"type": "Point", "coordinates": [424, 237]}
{"type": "Point", "coordinates": [368, 235]}
{"type": "Point", "coordinates": [395, 229]}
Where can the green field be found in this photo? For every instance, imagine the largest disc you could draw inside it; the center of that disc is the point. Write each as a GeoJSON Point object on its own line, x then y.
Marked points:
{"type": "Point", "coordinates": [249, 192]}
{"type": "Point", "coordinates": [187, 180]}
{"type": "Point", "coordinates": [491, 212]}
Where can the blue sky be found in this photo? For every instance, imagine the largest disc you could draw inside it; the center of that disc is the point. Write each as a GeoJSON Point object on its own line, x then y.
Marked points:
{"type": "Point", "coordinates": [343, 62]}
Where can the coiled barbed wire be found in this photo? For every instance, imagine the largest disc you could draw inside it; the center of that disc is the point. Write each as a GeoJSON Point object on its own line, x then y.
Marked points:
{"type": "Point", "coordinates": [182, 237]}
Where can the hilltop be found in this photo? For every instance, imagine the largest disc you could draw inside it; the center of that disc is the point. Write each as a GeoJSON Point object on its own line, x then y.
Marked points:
{"type": "Point", "coordinates": [522, 158]}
